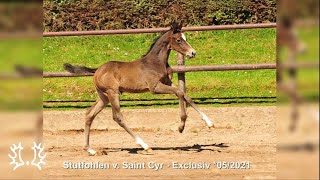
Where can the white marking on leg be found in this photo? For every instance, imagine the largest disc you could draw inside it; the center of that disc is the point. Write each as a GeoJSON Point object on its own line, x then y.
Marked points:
{"type": "Point", "coordinates": [206, 119]}
{"type": "Point", "coordinates": [141, 143]}
{"type": "Point", "coordinates": [91, 152]}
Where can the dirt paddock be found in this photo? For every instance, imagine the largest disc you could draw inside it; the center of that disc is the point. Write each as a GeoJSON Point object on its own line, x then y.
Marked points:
{"type": "Point", "coordinates": [242, 134]}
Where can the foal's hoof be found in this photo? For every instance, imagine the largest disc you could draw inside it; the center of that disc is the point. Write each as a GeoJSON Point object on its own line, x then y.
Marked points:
{"type": "Point", "coordinates": [91, 152]}
{"type": "Point", "coordinates": [181, 128]}
{"type": "Point", "coordinates": [211, 127]}
{"type": "Point", "coordinates": [148, 151]}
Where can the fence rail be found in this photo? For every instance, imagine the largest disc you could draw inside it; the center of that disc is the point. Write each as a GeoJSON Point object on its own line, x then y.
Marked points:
{"type": "Point", "coordinates": [176, 69]}
{"type": "Point", "coordinates": [181, 69]}
{"type": "Point", "coordinates": [156, 30]}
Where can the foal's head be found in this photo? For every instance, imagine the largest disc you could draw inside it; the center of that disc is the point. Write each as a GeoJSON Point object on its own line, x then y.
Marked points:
{"type": "Point", "coordinates": [178, 41]}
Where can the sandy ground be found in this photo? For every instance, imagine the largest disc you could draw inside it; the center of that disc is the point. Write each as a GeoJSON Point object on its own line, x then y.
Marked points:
{"type": "Point", "coordinates": [298, 151]}
{"type": "Point", "coordinates": [17, 127]}
{"type": "Point", "coordinates": [242, 134]}
{"type": "Point", "coordinates": [258, 135]}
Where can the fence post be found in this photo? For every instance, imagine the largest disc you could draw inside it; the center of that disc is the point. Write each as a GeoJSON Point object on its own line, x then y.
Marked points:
{"type": "Point", "coordinates": [181, 75]}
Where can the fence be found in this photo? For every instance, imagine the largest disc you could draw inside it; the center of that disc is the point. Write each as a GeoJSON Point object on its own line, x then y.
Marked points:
{"type": "Point", "coordinates": [155, 30]}
{"type": "Point", "coordinates": [181, 69]}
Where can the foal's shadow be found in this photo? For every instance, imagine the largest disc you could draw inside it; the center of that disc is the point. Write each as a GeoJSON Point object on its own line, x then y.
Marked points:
{"type": "Point", "coordinates": [307, 146]}
{"type": "Point", "coordinates": [195, 148]}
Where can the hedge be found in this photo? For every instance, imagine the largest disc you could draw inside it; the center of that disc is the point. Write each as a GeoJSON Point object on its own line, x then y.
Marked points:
{"type": "Point", "coordinates": [76, 15]}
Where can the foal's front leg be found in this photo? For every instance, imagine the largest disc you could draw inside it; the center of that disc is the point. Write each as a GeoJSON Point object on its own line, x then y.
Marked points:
{"type": "Point", "coordinates": [203, 116]}
{"type": "Point", "coordinates": [164, 89]}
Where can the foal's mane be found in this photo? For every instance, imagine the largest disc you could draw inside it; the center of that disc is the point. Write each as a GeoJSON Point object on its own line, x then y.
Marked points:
{"type": "Point", "coordinates": [155, 41]}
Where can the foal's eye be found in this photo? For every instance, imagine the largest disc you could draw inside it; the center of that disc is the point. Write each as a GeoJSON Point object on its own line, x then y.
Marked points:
{"type": "Point", "coordinates": [179, 41]}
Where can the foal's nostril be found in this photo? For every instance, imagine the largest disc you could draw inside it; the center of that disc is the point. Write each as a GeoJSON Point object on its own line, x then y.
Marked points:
{"type": "Point", "coordinates": [193, 53]}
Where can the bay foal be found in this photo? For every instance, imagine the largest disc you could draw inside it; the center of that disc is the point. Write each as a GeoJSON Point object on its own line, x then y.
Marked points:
{"type": "Point", "coordinates": [150, 73]}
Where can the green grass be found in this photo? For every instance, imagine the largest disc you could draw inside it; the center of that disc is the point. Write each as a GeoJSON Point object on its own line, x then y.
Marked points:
{"type": "Point", "coordinates": [213, 47]}
{"type": "Point", "coordinates": [307, 79]}
{"type": "Point", "coordinates": [21, 94]}
{"type": "Point", "coordinates": [310, 37]}
{"type": "Point", "coordinates": [23, 51]}
{"type": "Point", "coordinates": [222, 88]}
{"type": "Point", "coordinates": [17, 94]}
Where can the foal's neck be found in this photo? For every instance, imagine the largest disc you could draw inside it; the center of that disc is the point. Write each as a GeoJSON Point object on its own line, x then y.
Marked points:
{"type": "Point", "coordinates": [160, 51]}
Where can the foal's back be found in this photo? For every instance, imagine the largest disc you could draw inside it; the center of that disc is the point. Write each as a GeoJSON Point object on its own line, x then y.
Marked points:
{"type": "Point", "coordinates": [121, 77]}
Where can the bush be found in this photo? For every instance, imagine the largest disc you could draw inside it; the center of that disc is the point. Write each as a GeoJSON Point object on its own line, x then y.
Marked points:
{"type": "Point", "coordinates": [74, 15]}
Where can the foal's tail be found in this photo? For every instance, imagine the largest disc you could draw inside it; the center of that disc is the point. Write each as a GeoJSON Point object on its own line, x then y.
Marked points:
{"type": "Point", "coordinates": [78, 69]}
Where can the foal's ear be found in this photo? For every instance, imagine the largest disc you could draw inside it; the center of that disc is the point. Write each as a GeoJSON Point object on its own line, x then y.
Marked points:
{"type": "Point", "coordinates": [180, 26]}
{"type": "Point", "coordinates": [176, 27]}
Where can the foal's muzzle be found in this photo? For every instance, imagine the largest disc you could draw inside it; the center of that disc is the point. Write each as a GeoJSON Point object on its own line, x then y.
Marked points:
{"type": "Point", "coordinates": [191, 54]}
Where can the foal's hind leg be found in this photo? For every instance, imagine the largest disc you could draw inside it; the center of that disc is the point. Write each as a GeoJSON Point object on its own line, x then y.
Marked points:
{"type": "Point", "coordinates": [118, 117]}
{"type": "Point", "coordinates": [90, 115]}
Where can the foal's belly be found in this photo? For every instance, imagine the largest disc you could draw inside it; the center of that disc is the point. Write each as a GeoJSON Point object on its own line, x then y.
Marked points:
{"type": "Point", "coordinates": [133, 85]}
{"type": "Point", "coordinates": [133, 90]}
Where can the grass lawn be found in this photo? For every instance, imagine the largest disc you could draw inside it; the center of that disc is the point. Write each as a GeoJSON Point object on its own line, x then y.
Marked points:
{"type": "Point", "coordinates": [208, 88]}
{"type": "Point", "coordinates": [307, 79]}
{"type": "Point", "coordinates": [18, 94]}
{"type": "Point", "coordinates": [224, 88]}
{"type": "Point", "coordinates": [23, 51]}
